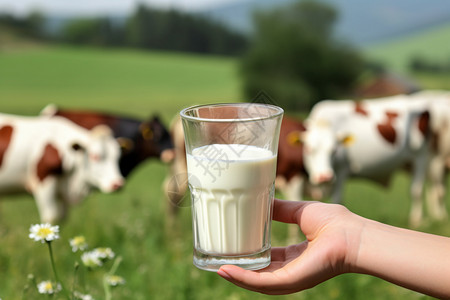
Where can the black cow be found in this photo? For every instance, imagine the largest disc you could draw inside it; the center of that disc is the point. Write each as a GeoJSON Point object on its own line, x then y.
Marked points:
{"type": "Point", "coordinates": [139, 139]}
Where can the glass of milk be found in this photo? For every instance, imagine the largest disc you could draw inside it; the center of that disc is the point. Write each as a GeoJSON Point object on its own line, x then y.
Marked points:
{"type": "Point", "coordinates": [231, 152]}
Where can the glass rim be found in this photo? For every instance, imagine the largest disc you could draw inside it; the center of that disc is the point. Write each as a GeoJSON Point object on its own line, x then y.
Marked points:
{"type": "Point", "coordinates": [278, 112]}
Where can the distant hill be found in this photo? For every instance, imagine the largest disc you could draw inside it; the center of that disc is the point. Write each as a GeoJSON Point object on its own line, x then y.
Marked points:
{"type": "Point", "coordinates": [361, 22]}
{"type": "Point", "coordinates": [431, 44]}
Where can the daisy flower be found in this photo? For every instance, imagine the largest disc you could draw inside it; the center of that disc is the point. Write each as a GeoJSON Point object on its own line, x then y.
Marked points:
{"type": "Point", "coordinates": [47, 287]}
{"type": "Point", "coordinates": [81, 296]}
{"type": "Point", "coordinates": [115, 280]}
{"type": "Point", "coordinates": [44, 232]}
{"type": "Point", "coordinates": [104, 253]}
{"type": "Point", "coordinates": [78, 243]}
{"type": "Point", "coordinates": [91, 259]}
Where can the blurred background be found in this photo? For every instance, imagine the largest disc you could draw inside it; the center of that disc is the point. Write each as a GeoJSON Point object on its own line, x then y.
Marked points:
{"type": "Point", "coordinates": [155, 57]}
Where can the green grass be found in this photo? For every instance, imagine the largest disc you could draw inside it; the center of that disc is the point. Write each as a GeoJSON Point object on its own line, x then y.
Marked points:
{"type": "Point", "coordinates": [396, 54]}
{"type": "Point", "coordinates": [130, 82]}
{"type": "Point", "coordinates": [157, 258]}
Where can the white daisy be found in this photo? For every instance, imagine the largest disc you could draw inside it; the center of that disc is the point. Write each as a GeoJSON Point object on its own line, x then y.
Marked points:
{"type": "Point", "coordinates": [78, 243]}
{"type": "Point", "coordinates": [91, 259]}
{"type": "Point", "coordinates": [81, 296]}
{"type": "Point", "coordinates": [44, 232]}
{"type": "Point", "coordinates": [115, 280]}
{"type": "Point", "coordinates": [47, 287]}
{"type": "Point", "coordinates": [104, 253]}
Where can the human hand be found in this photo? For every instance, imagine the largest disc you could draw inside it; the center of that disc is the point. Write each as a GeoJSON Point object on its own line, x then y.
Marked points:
{"type": "Point", "coordinates": [332, 239]}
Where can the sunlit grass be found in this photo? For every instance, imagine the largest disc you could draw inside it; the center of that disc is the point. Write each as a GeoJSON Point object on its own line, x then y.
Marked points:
{"type": "Point", "coordinates": [396, 54]}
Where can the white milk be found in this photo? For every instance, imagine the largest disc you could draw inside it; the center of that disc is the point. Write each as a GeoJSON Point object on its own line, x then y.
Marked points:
{"type": "Point", "coordinates": [232, 189]}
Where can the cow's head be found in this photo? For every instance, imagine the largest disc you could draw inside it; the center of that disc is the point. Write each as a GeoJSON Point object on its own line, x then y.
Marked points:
{"type": "Point", "coordinates": [320, 143]}
{"type": "Point", "coordinates": [318, 147]}
{"type": "Point", "coordinates": [154, 140]}
{"type": "Point", "coordinates": [96, 162]}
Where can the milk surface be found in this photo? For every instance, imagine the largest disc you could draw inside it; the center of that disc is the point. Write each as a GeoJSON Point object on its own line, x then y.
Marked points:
{"type": "Point", "coordinates": [232, 188]}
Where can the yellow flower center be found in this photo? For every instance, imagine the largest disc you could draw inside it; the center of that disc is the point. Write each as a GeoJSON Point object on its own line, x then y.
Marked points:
{"type": "Point", "coordinates": [43, 232]}
{"type": "Point", "coordinates": [78, 240]}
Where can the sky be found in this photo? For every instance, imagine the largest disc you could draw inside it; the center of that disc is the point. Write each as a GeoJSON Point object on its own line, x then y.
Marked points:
{"type": "Point", "coordinates": [99, 7]}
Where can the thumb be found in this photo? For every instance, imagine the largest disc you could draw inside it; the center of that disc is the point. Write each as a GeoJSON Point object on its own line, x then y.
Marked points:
{"type": "Point", "coordinates": [289, 211]}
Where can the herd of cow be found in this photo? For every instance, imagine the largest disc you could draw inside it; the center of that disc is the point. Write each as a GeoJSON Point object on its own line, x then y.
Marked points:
{"type": "Point", "coordinates": [61, 155]}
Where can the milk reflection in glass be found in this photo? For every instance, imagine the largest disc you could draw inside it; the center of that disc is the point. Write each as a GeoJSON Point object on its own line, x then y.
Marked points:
{"type": "Point", "coordinates": [231, 203]}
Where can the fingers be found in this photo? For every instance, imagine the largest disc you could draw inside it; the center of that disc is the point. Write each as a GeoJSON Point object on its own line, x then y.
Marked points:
{"type": "Point", "coordinates": [288, 211]}
{"type": "Point", "coordinates": [263, 282]}
{"type": "Point", "coordinates": [278, 278]}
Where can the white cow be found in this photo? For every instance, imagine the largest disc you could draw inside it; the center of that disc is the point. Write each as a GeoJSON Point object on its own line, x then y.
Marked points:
{"type": "Point", "coordinates": [439, 108]}
{"type": "Point", "coordinates": [369, 139]}
{"type": "Point", "coordinates": [56, 161]}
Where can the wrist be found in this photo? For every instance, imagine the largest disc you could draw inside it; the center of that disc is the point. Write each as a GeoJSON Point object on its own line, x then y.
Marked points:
{"type": "Point", "coordinates": [357, 230]}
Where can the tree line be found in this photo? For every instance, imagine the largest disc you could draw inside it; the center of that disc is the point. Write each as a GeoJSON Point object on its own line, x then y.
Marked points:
{"type": "Point", "coordinates": [419, 63]}
{"type": "Point", "coordinates": [146, 28]}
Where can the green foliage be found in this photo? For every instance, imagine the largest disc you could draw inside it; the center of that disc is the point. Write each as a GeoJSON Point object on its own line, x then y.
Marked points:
{"type": "Point", "coordinates": [295, 59]}
{"type": "Point", "coordinates": [31, 25]}
{"type": "Point", "coordinates": [150, 28]}
{"type": "Point", "coordinates": [95, 31]}
{"type": "Point", "coordinates": [146, 28]}
{"type": "Point", "coordinates": [422, 64]}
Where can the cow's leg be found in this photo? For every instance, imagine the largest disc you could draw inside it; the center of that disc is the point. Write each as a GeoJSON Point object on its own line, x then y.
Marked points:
{"type": "Point", "coordinates": [338, 185]}
{"type": "Point", "coordinates": [416, 190]}
{"type": "Point", "coordinates": [175, 188]}
{"type": "Point", "coordinates": [293, 190]}
{"type": "Point", "coordinates": [45, 195]}
{"type": "Point", "coordinates": [436, 192]}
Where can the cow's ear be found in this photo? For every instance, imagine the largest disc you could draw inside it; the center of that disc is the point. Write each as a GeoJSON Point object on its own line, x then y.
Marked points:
{"type": "Point", "coordinates": [146, 131]}
{"type": "Point", "coordinates": [126, 144]}
{"type": "Point", "coordinates": [346, 140]}
{"type": "Point", "coordinates": [294, 138]}
{"type": "Point", "coordinates": [101, 131]}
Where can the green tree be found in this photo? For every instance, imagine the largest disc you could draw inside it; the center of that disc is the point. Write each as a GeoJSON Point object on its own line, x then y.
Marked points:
{"type": "Point", "coordinates": [34, 25]}
{"type": "Point", "coordinates": [294, 57]}
{"type": "Point", "coordinates": [93, 31]}
{"type": "Point", "coordinates": [151, 28]}
{"type": "Point", "coordinates": [31, 26]}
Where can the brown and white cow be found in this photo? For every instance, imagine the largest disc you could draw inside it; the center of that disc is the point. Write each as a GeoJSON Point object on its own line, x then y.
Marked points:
{"type": "Point", "coordinates": [140, 140]}
{"type": "Point", "coordinates": [369, 139]}
{"type": "Point", "coordinates": [292, 178]}
{"type": "Point", "coordinates": [438, 102]}
{"type": "Point", "coordinates": [290, 172]}
{"type": "Point", "coordinates": [56, 161]}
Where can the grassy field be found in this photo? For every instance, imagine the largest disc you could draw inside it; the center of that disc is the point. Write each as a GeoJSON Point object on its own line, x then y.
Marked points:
{"type": "Point", "coordinates": [127, 82]}
{"type": "Point", "coordinates": [431, 44]}
{"type": "Point", "coordinates": [157, 258]}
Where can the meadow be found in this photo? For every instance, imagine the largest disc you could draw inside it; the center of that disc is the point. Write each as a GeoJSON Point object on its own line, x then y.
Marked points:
{"type": "Point", "coordinates": [156, 251]}
{"type": "Point", "coordinates": [397, 53]}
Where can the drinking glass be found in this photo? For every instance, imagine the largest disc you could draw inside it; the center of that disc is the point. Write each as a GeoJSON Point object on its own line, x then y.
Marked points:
{"type": "Point", "coordinates": [231, 152]}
